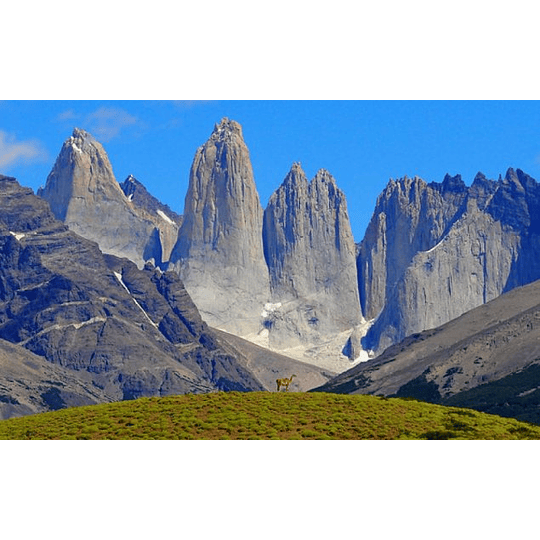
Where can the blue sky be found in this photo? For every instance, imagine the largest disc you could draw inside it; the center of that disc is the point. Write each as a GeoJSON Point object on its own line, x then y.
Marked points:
{"type": "Point", "coordinates": [362, 143]}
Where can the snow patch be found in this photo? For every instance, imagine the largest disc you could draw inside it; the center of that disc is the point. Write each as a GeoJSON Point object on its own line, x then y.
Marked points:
{"type": "Point", "coordinates": [18, 236]}
{"type": "Point", "coordinates": [119, 278]}
{"type": "Point", "coordinates": [130, 197]}
{"type": "Point", "coordinates": [76, 148]}
{"type": "Point", "coordinates": [270, 308]}
{"type": "Point", "coordinates": [165, 217]}
{"type": "Point", "coordinates": [434, 247]}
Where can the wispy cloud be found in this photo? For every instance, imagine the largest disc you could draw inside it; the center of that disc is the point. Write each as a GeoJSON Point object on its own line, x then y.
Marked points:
{"type": "Point", "coordinates": [13, 152]}
{"type": "Point", "coordinates": [67, 116]}
{"type": "Point", "coordinates": [105, 123]}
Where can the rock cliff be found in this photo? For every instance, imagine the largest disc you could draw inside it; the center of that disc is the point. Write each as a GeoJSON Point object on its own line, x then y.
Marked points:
{"type": "Point", "coordinates": [434, 251]}
{"type": "Point", "coordinates": [219, 253]}
{"type": "Point", "coordinates": [310, 252]}
{"type": "Point", "coordinates": [166, 221]}
{"type": "Point", "coordinates": [83, 193]}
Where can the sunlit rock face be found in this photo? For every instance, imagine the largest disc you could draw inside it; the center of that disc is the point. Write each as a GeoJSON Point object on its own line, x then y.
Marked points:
{"type": "Point", "coordinates": [310, 252]}
{"type": "Point", "coordinates": [434, 251]}
{"type": "Point", "coordinates": [83, 193]}
{"type": "Point", "coordinates": [219, 253]}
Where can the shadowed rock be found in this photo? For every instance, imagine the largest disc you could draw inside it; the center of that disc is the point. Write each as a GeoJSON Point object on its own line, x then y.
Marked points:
{"type": "Point", "coordinates": [128, 332]}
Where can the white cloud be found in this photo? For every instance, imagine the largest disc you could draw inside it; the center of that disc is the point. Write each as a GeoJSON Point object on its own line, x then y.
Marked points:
{"type": "Point", "coordinates": [13, 152]}
{"type": "Point", "coordinates": [106, 123]}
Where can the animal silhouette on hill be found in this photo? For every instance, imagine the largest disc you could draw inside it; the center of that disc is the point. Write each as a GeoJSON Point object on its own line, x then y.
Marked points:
{"type": "Point", "coordinates": [284, 382]}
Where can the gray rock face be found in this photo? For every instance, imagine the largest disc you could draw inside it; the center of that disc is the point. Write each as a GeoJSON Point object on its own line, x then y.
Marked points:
{"type": "Point", "coordinates": [434, 251]}
{"type": "Point", "coordinates": [310, 252]}
{"type": "Point", "coordinates": [128, 332]}
{"type": "Point", "coordinates": [219, 253]}
{"type": "Point", "coordinates": [410, 216]}
{"type": "Point", "coordinates": [83, 192]}
{"type": "Point", "coordinates": [166, 221]}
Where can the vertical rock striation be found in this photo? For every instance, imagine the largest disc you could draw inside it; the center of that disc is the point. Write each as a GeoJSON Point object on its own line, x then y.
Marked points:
{"type": "Point", "coordinates": [434, 251]}
{"type": "Point", "coordinates": [310, 252]}
{"type": "Point", "coordinates": [219, 253]}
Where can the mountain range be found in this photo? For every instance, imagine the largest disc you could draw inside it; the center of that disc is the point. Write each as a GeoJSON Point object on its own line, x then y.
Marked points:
{"type": "Point", "coordinates": [78, 326]}
{"type": "Point", "coordinates": [231, 296]}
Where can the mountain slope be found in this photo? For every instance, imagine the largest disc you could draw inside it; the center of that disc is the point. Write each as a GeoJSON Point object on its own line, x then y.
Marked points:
{"type": "Point", "coordinates": [29, 384]}
{"type": "Point", "coordinates": [133, 332]}
{"type": "Point", "coordinates": [487, 344]}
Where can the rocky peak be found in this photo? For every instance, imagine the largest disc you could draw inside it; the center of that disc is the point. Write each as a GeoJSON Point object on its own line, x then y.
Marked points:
{"type": "Point", "coordinates": [423, 264]}
{"type": "Point", "coordinates": [137, 193]}
{"type": "Point", "coordinates": [512, 179]}
{"type": "Point", "coordinates": [453, 184]}
{"type": "Point", "coordinates": [219, 252]}
{"type": "Point", "coordinates": [82, 169]}
{"type": "Point", "coordinates": [296, 176]}
{"type": "Point", "coordinates": [83, 192]}
{"type": "Point", "coordinates": [82, 140]}
{"type": "Point", "coordinates": [509, 203]}
{"type": "Point", "coordinates": [324, 185]}
{"type": "Point", "coordinates": [310, 253]}
{"type": "Point", "coordinates": [227, 129]}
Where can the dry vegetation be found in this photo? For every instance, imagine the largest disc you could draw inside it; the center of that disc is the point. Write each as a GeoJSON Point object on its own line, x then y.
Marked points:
{"type": "Point", "coordinates": [266, 415]}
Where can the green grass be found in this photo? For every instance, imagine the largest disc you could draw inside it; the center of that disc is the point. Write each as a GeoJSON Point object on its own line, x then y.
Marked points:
{"type": "Point", "coordinates": [266, 415]}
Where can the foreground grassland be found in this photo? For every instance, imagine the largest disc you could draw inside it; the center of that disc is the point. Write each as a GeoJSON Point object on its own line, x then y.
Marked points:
{"type": "Point", "coordinates": [266, 415]}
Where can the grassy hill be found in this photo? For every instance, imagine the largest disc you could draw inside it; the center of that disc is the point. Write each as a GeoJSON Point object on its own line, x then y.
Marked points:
{"type": "Point", "coordinates": [266, 415]}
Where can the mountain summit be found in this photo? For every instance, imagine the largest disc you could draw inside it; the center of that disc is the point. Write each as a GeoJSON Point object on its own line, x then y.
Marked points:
{"type": "Point", "coordinates": [219, 253]}
{"type": "Point", "coordinates": [83, 192]}
{"type": "Point", "coordinates": [310, 252]}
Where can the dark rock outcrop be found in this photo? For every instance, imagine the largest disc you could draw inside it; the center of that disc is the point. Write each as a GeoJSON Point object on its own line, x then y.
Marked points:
{"type": "Point", "coordinates": [128, 332]}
